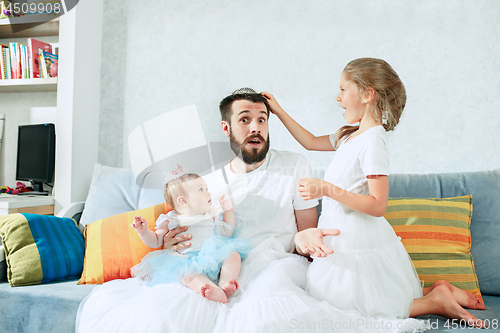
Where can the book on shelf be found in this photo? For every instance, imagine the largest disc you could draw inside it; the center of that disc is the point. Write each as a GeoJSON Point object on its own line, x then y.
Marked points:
{"type": "Point", "coordinates": [24, 62]}
{"type": "Point", "coordinates": [2, 62]}
{"type": "Point", "coordinates": [14, 60]}
{"type": "Point", "coordinates": [34, 46]}
{"type": "Point", "coordinates": [43, 65]}
{"type": "Point", "coordinates": [5, 9]}
{"type": "Point", "coordinates": [50, 60]}
{"type": "Point", "coordinates": [6, 63]}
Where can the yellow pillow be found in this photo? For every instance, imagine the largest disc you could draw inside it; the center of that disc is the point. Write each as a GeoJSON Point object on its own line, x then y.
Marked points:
{"type": "Point", "coordinates": [436, 234]}
{"type": "Point", "coordinates": [112, 247]}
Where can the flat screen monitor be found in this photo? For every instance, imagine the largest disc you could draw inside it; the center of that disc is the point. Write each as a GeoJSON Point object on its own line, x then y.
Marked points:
{"type": "Point", "coordinates": [36, 151]}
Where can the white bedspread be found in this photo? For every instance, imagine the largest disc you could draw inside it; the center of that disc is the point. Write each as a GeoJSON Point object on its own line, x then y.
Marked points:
{"type": "Point", "coordinates": [271, 298]}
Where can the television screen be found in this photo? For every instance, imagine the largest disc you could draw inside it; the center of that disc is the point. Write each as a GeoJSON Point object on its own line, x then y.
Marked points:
{"type": "Point", "coordinates": [36, 154]}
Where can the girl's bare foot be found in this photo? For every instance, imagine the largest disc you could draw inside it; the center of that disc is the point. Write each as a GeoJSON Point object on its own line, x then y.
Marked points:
{"type": "Point", "coordinates": [448, 307]}
{"type": "Point", "coordinates": [463, 297]}
{"type": "Point", "coordinates": [230, 287]}
{"type": "Point", "coordinates": [213, 293]}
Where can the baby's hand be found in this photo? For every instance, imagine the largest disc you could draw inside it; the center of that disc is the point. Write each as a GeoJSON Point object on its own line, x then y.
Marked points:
{"type": "Point", "coordinates": [139, 224]}
{"type": "Point", "coordinates": [273, 103]}
{"type": "Point", "coordinates": [225, 203]}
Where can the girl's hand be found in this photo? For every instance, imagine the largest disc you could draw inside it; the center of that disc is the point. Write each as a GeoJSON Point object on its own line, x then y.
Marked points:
{"type": "Point", "coordinates": [139, 224]}
{"type": "Point", "coordinates": [225, 203]}
{"type": "Point", "coordinates": [310, 241]}
{"type": "Point", "coordinates": [273, 103]}
{"type": "Point", "coordinates": [310, 188]}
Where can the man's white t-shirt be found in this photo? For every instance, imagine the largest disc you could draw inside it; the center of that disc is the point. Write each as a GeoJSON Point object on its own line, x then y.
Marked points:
{"type": "Point", "coordinates": [268, 197]}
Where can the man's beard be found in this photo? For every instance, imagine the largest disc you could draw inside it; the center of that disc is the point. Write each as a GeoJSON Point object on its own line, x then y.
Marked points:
{"type": "Point", "coordinates": [249, 155]}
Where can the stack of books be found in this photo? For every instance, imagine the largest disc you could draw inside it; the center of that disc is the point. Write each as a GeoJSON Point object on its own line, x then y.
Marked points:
{"type": "Point", "coordinates": [26, 62]}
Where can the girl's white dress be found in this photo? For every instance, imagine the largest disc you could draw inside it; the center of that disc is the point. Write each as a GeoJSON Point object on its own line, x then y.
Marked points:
{"type": "Point", "coordinates": [370, 270]}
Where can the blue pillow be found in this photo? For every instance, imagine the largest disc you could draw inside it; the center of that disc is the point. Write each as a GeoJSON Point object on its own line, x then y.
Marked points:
{"type": "Point", "coordinates": [41, 248]}
{"type": "Point", "coordinates": [113, 191]}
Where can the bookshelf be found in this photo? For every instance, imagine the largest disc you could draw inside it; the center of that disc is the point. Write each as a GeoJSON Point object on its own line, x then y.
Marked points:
{"type": "Point", "coordinates": [78, 105]}
{"type": "Point", "coordinates": [33, 29]}
{"type": "Point", "coordinates": [28, 85]}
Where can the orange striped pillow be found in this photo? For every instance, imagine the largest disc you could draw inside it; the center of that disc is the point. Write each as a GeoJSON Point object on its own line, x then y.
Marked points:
{"type": "Point", "coordinates": [436, 234]}
{"type": "Point", "coordinates": [112, 247]}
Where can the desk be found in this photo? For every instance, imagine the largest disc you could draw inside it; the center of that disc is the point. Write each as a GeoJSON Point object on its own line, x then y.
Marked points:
{"type": "Point", "coordinates": [10, 204]}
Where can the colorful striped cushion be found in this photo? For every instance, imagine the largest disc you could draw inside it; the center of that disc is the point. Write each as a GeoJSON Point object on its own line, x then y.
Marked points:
{"type": "Point", "coordinates": [112, 247]}
{"type": "Point", "coordinates": [41, 248]}
{"type": "Point", "coordinates": [436, 234]}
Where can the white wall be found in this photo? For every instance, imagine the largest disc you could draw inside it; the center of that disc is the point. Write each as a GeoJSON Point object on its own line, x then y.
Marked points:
{"type": "Point", "coordinates": [179, 53]}
{"type": "Point", "coordinates": [184, 53]}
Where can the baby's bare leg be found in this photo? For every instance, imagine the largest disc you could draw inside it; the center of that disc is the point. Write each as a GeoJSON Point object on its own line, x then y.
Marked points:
{"type": "Point", "coordinates": [206, 288]}
{"type": "Point", "coordinates": [229, 273]}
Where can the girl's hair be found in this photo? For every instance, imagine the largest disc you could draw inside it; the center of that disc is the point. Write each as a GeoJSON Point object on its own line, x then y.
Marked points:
{"type": "Point", "coordinates": [390, 93]}
{"type": "Point", "coordinates": [173, 189]}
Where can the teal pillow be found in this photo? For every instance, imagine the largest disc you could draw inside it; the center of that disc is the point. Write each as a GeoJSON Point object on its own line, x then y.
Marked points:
{"type": "Point", "coordinates": [41, 248]}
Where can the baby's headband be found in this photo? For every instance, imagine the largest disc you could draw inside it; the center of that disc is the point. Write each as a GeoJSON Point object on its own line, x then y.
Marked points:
{"type": "Point", "coordinates": [245, 90]}
{"type": "Point", "coordinates": [178, 172]}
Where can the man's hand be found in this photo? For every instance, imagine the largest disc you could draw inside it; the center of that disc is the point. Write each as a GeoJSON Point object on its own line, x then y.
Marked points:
{"type": "Point", "coordinates": [139, 224]}
{"type": "Point", "coordinates": [173, 242]}
{"type": "Point", "coordinates": [310, 188]}
{"type": "Point", "coordinates": [310, 241]}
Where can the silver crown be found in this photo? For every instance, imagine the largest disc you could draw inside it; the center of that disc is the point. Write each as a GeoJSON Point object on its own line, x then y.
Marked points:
{"type": "Point", "coordinates": [245, 90]}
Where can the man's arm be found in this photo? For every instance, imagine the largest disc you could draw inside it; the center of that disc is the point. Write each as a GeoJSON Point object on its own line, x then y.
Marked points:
{"type": "Point", "coordinates": [306, 218]}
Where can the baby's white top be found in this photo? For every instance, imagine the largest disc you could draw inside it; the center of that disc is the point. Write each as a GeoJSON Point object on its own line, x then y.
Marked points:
{"type": "Point", "coordinates": [200, 227]}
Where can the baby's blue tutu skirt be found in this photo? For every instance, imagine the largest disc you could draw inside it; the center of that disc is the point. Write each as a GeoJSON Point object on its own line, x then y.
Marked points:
{"type": "Point", "coordinates": [165, 266]}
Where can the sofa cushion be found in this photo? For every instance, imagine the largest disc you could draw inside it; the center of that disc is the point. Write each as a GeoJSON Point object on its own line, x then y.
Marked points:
{"type": "Point", "coordinates": [490, 316]}
{"type": "Point", "coordinates": [49, 307]}
{"type": "Point", "coordinates": [41, 248]}
{"type": "Point", "coordinates": [112, 247]}
{"type": "Point", "coordinates": [114, 191]}
{"type": "Point", "coordinates": [484, 186]}
{"type": "Point", "coordinates": [435, 232]}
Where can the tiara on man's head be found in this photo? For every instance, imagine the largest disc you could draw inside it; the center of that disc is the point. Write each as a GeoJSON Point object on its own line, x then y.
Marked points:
{"type": "Point", "coordinates": [245, 90]}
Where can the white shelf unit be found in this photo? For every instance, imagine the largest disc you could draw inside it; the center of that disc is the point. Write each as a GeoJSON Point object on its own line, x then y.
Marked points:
{"type": "Point", "coordinates": [26, 204]}
{"type": "Point", "coordinates": [78, 98]}
{"type": "Point", "coordinates": [33, 28]}
{"type": "Point", "coordinates": [28, 85]}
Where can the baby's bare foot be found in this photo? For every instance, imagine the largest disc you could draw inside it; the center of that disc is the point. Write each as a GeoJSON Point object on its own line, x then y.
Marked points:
{"type": "Point", "coordinates": [213, 293]}
{"type": "Point", "coordinates": [230, 287]}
